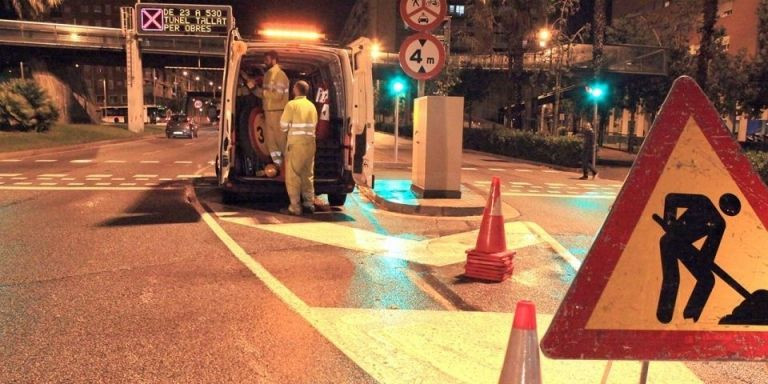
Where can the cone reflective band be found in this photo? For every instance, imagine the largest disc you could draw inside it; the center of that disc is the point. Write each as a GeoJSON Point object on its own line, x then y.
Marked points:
{"type": "Point", "coordinates": [521, 362]}
{"type": "Point", "coordinates": [490, 260]}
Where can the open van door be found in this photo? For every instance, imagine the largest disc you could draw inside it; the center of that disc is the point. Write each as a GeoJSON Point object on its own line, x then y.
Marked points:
{"type": "Point", "coordinates": [236, 48]}
{"type": "Point", "coordinates": [362, 123]}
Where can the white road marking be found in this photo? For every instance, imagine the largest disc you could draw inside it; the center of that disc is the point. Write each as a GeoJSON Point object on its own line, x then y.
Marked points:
{"type": "Point", "coordinates": [468, 169]}
{"type": "Point", "coordinates": [23, 183]}
{"type": "Point", "coordinates": [555, 184]}
{"type": "Point", "coordinates": [182, 162]}
{"type": "Point", "coordinates": [9, 174]}
{"type": "Point", "coordinates": [98, 176]}
{"type": "Point", "coordinates": [149, 162]}
{"type": "Point", "coordinates": [151, 184]}
{"type": "Point", "coordinates": [67, 178]}
{"type": "Point", "coordinates": [18, 178]}
{"type": "Point", "coordinates": [520, 183]}
{"type": "Point", "coordinates": [569, 258]}
{"type": "Point", "coordinates": [2, 182]}
{"type": "Point", "coordinates": [165, 179]}
{"type": "Point", "coordinates": [497, 169]}
{"type": "Point", "coordinates": [524, 170]}
{"type": "Point", "coordinates": [10, 161]}
{"type": "Point", "coordinates": [82, 161]}
{"type": "Point", "coordinates": [212, 162]}
{"type": "Point", "coordinates": [115, 161]}
{"type": "Point", "coordinates": [551, 171]}
{"type": "Point", "coordinates": [189, 176]}
{"type": "Point", "coordinates": [560, 195]}
{"type": "Point", "coordinates": [80, 187]}
{"type": "Point", "coordinates": [49, 184]}
{"type": "Point", "coordinates": [144, 176]}
{"type": "Point", "coordinates": [141, 179]}
{"type": "Point", "coordinates": [53, 175]}
{"type": "Point", "coordinates": [127, 184]}
{"type": "Point", "coordinates": [45, 161]}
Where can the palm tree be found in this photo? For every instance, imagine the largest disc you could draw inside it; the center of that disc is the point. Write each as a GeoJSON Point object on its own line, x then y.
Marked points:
{"type": "Point", "coordinates": [599, 42]}
{"type": "Point", "coordinates": [707, 45]}
{"type": "Point", "coordinates": [517, 19]}
{"type": "Point", "coordinates": [33, 9]}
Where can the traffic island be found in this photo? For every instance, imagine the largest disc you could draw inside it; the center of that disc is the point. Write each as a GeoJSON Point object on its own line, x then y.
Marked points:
{"type": "Point", "coordinates": [396, 195]}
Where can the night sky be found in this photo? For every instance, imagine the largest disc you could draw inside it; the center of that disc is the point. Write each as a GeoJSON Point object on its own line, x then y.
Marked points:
{"type": "Point", "coordinates": [327, 16]}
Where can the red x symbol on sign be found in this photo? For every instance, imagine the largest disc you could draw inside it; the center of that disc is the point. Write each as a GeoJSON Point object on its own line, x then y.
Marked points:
{"type": "Point", "coordinates": [152, 19]}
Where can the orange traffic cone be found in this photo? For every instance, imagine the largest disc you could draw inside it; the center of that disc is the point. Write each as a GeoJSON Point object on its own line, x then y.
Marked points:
{"type": "Point", "coordinates": [521, 363]}
{"type": "Point", "coordinates": [490, 259]}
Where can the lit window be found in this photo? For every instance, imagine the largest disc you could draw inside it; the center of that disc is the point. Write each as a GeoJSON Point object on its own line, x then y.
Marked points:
{"type": "Point", "coordinates": [666, 4]}
{"type": "Point", "coordinates": [460, 10]}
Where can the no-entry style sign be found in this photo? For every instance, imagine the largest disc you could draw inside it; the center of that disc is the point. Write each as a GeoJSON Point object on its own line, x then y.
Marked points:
{"type": "Point", "coordinates": [175, 19]}
{"type": "Point", "coordinates": [679, 270]}
{"type": "Point", "coordinates": [423, 15]}
{"type": "Point", "coordinates": [422, 56]}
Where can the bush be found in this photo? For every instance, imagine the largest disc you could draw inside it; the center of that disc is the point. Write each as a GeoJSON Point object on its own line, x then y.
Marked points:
{"type": "Point", "coordinates": [558, 150]}
{"type": "Point", "coordinates": [759, 162]}
{"type": "Point", "coordinates": [25, 106]}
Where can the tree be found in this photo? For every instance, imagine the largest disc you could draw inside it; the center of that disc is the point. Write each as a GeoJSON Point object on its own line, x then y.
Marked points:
{"type": "Point", "coordinates": [517, 19]}
{"type": "Point", "coordinates": [33, 9]}
{"type": "Point", "coordinates": [599, 36]}
{"type": "Point", "coordinates": [707, 45]}
{"type": "Point", "coordinates": [758, 71]}
{"type": "Point", "coordinates": [478, 37]}
{"type": "Point", "coordinates": [563, 41]}
{"type": "Point", "coordinates": [474, 86]}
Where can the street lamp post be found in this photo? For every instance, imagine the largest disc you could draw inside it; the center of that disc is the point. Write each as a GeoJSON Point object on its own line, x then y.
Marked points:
{"type": "Point", "coordinates": [597, 92]}
{"type": "Point", "coordinates": [104, 111]}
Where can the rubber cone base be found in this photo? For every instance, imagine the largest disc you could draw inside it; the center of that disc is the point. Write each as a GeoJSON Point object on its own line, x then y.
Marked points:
{"type": "Point", "coordinates": [491, 267]}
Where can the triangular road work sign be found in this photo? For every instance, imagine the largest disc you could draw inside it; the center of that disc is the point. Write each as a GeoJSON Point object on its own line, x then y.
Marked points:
{"type": "Point", "coordinates": [679, 270]}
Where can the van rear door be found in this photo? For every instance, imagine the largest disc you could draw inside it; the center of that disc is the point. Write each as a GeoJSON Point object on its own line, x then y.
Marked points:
{"type": "Point", "coordinates": [362, 122]}
{"type": "Point", "coordinates": [236, 48]}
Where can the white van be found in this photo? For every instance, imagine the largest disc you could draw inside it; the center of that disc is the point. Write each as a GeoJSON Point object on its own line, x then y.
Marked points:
{"type": "Point", "coordinates": [345, 145]}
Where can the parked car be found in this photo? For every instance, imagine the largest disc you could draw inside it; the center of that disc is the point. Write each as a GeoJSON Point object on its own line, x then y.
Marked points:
{"type": "Point", "coordinates": [180, 126]}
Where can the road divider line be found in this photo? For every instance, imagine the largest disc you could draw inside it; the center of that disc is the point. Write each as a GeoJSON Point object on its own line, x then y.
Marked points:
{"type": "Point", "coordinates": [524, 170]}
{"type": "Point", "coordinates": [166, 179]}
{"type": "Point", "coordinates": [18, 178]}
{"type": "Point", "coordinates": [497, 169]}
{"type": "Point", "coordinates": [10, 161]}
{"type": "Point", "coordinates": [81, 161]}
{"type": "Point", "coordinates": [144, 176]}
{"type": "Point", "coordinates": [563, 252]}
{"type": "Point", "coordinates": [561, 195]}
{"type": "Point", "coordinates": [22, 183]}
{"type": "Point", "coordinates": [9, 174]}
{"type": "Point", "coordinates": [189, 176]}
{"type": "Point", "coordinates": [75, 184]}
{"type": "Point", "coordinates": [45, 178]}
{"type": "Point", "coordinates": [127, 184]}
{"type": "Point", "coordinates": [99, 176]}
{"type": "Point", "coordinates": [53, 175]}
{"type": "Point", "coordinates": [49, 184]}
{"type": "Point", "coordinates": [182, 162]}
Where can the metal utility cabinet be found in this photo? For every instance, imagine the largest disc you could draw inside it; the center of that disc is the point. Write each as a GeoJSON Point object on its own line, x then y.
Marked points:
{"type": "Point", "coordinates": [437, 146]}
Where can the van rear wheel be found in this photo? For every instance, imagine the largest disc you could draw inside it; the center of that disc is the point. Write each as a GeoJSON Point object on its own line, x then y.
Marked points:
{"type": "Point", "coordinates": [229, 197]}
{"type": "Point", "coordinates": [337, 199]}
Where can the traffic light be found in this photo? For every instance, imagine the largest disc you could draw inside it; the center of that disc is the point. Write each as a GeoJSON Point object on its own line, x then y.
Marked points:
{"type": "Point", "coordinates": [397, 86]}
{"type": "Point", "coordinates": [597, 91]}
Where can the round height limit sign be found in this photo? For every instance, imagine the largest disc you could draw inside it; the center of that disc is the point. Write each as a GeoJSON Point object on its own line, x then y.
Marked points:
{"type": "Point", "coordinates": [422, 56]}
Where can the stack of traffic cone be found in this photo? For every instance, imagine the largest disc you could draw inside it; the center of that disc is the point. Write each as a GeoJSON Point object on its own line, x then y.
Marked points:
{"type": "Point", "coordinates": [521, 363]}
{"type": "Point", "coordinates": [490, 259]}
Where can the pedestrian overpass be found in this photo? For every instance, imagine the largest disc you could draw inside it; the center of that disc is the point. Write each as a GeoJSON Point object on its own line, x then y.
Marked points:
{"type": "Point", "coordinates": [630, 59]}
{"type": "Point", "coordinates": [87, 38]}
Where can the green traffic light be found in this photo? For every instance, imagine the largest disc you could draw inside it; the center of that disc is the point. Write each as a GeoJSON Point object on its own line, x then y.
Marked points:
{"type": "Point", "coordinates": [597, 91]}
{"type": "Point", "coordinates": [397, 86]}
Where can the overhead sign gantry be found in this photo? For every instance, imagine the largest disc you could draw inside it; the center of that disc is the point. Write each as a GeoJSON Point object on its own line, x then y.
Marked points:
{"type": "Point", "coordinates": [184, 19]}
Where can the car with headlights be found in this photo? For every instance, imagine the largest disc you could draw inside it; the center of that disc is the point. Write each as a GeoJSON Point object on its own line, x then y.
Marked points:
{"type": "Point", "coordinates": [180, 126]}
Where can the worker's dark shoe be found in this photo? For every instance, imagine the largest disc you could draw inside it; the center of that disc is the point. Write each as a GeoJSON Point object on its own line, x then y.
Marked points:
{"type": "Point", "coordinates": [594, 176]}
{"type": "Point", "coordinates": [583, 177]}
{"type": "Point", "coordinates": [288, 211]}
{"type": "Point", "coordinates": [309, 209]}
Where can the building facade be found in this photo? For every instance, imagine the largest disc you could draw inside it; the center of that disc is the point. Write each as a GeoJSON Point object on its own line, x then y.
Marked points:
{"type": "Point", "coordinates": [737, 17]}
